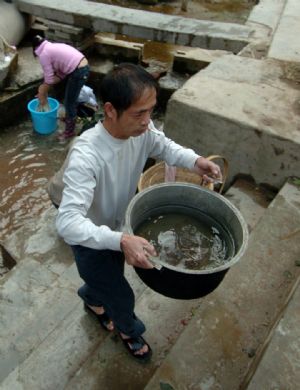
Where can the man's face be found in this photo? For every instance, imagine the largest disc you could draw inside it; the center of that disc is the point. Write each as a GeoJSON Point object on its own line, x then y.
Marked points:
{"type": "Point", "coordinates": [135, 120]}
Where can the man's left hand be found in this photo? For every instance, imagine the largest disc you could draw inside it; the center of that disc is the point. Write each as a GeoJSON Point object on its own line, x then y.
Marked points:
{"type": "Point", "coordinates": [208, 170]}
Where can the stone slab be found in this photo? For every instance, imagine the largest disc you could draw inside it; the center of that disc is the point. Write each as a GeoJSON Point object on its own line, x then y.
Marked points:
{"type": "Point", "coordinates": [116, 48]}
{"type": "Point", "coordinates": [284, 46]}
{"type": "Point", "coordinates": [26, 325]}
{"type": "Point", "coordinates": [249, 199]}
{"type": "Point", "coordinates": [29, 69]}
{"type": "Point", "coordinates": [191, 60]}
{"type": "Point", "coordinates": [280, 365]}
{"type": "Point", "coordinates": [47, 355]}
{"type": "Point", "coordinates": [50, 364]}
{"type": "Point", "coordinates": [263, 20]}
{"type": "Point", "coordinates": [38, 240]}
{"type": "Point", "coordinates": [66, 28]}
{"type": "Point", "coordinates": [141, 24]}
{"type": "Point", "coordinates": [8, 64]}
{"type": "Point", "coordinates": [226, 337]}
{"type": "Point", "coordinates": [244, 109]}
{"type": "Point", "coordinates": [21, 290]}
{"type": "Point", "coordinates": [267, 13]}
{"type": "Point", "coordinates": [165, 319]}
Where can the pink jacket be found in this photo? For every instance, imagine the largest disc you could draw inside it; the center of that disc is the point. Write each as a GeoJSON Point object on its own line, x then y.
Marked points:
{"type": "Point", "coordinates": [57, 59]}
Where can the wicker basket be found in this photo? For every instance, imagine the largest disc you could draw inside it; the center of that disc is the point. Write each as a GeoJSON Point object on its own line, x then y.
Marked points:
{"type": "Point", "coordinates": [156, 175]}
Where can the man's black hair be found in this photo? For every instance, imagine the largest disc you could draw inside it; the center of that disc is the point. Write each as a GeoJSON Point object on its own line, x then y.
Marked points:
{"type": "Point", "coordinates": [124, 85]}
{"type": "Point", "coordinates": [36, 41]}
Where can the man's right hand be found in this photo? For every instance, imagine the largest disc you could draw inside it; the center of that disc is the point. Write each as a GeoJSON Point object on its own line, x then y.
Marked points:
{"type": "Point", "coordinates": [137, 251]}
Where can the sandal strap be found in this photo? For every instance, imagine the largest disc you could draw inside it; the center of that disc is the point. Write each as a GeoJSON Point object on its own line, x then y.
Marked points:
{"type": "Point", "coordinates": [102, 318]}
{"type": "Point", "coordinates": [135, 343]}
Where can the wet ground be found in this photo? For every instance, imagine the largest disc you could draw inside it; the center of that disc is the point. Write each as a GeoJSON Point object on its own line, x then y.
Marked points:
{"type": "Point", "coordinates": [27, 161]}
{"type": "Point", "coordinates": [233, 11]}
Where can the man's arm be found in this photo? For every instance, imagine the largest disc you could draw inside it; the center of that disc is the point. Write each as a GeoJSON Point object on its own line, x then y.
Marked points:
{"type": "Point", "coordinates": [176, 155]}
{"type": "Point", "coordinates": [72, 222]}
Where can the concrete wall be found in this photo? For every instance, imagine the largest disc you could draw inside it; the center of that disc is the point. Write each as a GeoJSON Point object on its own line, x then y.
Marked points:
{"type": "Point", "coordinates": [141, 24]}
{"type": "Point", "coordinates": [244, 110]}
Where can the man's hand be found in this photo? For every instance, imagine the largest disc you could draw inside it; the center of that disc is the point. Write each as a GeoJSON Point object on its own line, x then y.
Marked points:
{"type": "Point", "coordinates": [208, 170]}
{"type": "Point", "coordinates": [137, 250]}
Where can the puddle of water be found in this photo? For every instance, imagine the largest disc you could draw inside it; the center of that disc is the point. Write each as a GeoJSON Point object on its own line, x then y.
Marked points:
{"type": "Point", "coordinates": [27, 161]}
{"type": "Point", "coordinates": [153, 51]}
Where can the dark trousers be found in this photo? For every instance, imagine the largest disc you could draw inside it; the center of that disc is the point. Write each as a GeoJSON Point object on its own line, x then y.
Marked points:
{"type": "Point", "coordinates": [105, 285]}
{"type": "Point", "coordinates": [75, 81]}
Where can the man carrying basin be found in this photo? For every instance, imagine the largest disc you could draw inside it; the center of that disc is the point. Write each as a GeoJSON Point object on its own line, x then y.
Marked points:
{"type": "Point", "coordinates": [101, 178]}
{"type": "Point", "coordinates": [60, 61]}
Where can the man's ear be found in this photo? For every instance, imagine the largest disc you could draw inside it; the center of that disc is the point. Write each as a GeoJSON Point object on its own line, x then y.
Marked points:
{"type": "Point", "coordinates": [110, 111]}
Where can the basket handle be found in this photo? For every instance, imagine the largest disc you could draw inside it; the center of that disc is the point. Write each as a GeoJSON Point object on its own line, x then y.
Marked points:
{"type": "Point", "coordinates": [224, 173]}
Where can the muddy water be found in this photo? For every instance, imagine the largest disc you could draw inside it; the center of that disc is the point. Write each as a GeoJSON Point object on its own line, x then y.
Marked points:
{"type": "Point", "coordinates": [27, 161]}
{"type": "Point", "coordinates": [193, 242]}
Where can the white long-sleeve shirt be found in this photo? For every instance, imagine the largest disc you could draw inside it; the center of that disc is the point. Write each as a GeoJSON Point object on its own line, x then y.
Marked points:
{"type": "Point", "coordinates": [101, 178]}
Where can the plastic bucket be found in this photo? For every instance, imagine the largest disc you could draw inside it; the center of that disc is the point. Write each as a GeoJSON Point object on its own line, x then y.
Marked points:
{"type": "Point", "coordinates": [44, 122]}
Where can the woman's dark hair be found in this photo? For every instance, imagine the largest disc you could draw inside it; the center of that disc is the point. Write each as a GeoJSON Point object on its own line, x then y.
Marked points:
{"type": "Point", "coordinates": [124, 85]}
{"type": "Point", "coordinates": [36, 41]}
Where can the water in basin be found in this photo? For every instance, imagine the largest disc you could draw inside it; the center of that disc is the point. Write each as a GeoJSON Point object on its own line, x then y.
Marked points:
{"type": "Point", "coordinates": [189, 239]}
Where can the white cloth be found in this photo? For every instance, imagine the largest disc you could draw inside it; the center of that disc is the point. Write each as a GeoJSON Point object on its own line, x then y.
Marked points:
{"type": "Point", "coordinates": [101, 178]}
{"type": "Point", "coordinates": [86, 95]}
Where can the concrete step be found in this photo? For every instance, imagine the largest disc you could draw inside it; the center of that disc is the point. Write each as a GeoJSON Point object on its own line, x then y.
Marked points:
{"type": "Point", "coordinates": [279, 368]}
{"type": "Point", "coordinates": [250, 199]}
{"type": "Point", "coordinates": [44, 350]}
{"type": "Point", "coordinates": [43, 331]}
{"type": "Point", "coordinates": [192, 60]}
{"type": "Point", "coordinates": [40, 290]}
{"type": "Point", "coordinates": [33, 302]}
{"type": "Point", "coordinates": [264, 19]}
{"type": "Point", "coordinates": [288, 28]}
{"type": "Point", "coordinates": [141, 24]}
{"type": "Point", "coordinates": [166, 319]}
{"type": "Point", "coordinates": [43, 273]}
{"type": "Point", "coordinates": [116, 49]}
{"type": "Point", "coordinates": [38, 240]}
{"type": "Point", "coordinates": [226, 337]}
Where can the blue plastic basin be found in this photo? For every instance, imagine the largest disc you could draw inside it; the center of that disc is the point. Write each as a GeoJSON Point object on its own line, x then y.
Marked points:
{"type": "Point", "coordinates": [44, 122]}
